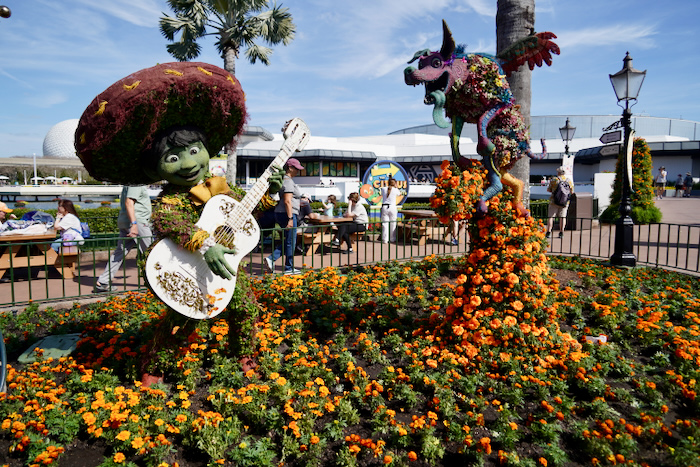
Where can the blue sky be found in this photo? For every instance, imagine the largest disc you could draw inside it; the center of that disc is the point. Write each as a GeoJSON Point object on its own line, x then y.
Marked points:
{"type": "Point", "coordinates": [343, 73]}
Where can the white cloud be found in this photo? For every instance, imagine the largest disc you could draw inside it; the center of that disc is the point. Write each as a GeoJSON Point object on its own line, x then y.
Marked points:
{"type": "Point", "coordinates": [138, 12]}
{"type": "Point", "coordinates": [481, 7]}
{"type": "Point", "coordinates": [638, 34]}
{"type": "Point", "coordinates": [48, 99]}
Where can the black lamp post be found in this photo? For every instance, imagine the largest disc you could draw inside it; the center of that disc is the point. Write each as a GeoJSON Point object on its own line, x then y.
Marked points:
{"type": "Point", "coordinates": [567, 134]}
{"type": "Point", "coordinates": [626, 83]}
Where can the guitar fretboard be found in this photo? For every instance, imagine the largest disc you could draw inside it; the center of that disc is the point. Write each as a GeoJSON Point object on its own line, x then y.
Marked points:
{"type": "Point", "coordinates": [296, 140]}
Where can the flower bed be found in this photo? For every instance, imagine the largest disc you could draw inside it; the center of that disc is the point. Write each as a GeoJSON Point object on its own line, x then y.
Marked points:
{"type": "Point", "coordinates": [349, 373]}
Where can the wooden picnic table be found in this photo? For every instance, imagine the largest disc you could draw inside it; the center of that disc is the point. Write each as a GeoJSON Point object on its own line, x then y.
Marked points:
{"type": "Point", "coordinates": [419, 225]}
{"type": "Point", "coordinates": [34, 250]}
{"type": "Point", "coordinates": [320, 233]}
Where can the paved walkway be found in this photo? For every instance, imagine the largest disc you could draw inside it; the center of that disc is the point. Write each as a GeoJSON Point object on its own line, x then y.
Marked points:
{"type": "Point", "coordinates": [675, 246]}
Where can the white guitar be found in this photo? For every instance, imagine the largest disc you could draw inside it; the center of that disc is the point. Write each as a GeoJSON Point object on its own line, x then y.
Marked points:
{"type": "Point", "coordinates": [182, 278]}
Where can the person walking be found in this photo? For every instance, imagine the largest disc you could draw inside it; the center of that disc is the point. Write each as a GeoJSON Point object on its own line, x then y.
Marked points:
{"type": "Point", "coordinates": [660, 181]}
{"type": "Point", "coordinates": [679, 186]}
{"type": "Point", "coordinates": [389, 212]}
{"type": "Point", "coordinates": [456, 227]}
{"type": "Point", "coordinates": [554, 209]}
{"type": "Point", "coordinates": [688, 184]}
{"type": "Point", "coordinates": [287, 216]}
{"type": "Point", "coordinates": [134, 224]}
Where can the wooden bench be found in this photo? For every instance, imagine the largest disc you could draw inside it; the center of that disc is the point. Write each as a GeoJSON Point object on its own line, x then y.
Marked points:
{"type": "Point", "coordinates": [409, 232]}
{"type": "Point", "coordinates": [309, 238]}
{"type": "Point", "coordinates": [355, 237]}
{"type": "Point", "coordinates": [67, 260]}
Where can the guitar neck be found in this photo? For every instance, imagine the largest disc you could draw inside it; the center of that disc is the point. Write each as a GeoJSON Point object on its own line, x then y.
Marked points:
{"type": "Point", "coordinates": [253, 197]}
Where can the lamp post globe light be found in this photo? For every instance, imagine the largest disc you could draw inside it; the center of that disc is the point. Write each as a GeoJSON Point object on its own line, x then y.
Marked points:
{"type": "Point", "coordinates": [5, 12]}
{"type": "Point", "coordinates": [567, 134]}
{"type": "Point", "coordinates": [626, 83]}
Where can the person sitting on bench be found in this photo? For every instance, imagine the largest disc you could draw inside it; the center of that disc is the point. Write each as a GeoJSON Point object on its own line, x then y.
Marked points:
{"type": "Point", "coordinates": [359, 224]}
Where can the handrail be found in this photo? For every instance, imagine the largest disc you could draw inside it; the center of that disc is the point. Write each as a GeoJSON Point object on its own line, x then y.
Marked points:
{"type": "Point", "coordinates": [669, 246]}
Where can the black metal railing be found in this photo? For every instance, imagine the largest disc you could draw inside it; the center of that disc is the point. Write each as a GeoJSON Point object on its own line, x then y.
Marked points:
{"type": "Point", "coordinates": [671, 246]}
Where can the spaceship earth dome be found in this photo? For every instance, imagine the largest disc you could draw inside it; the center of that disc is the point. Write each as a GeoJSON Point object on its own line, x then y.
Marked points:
{"type": "Point", "coordinates": [59, 140]}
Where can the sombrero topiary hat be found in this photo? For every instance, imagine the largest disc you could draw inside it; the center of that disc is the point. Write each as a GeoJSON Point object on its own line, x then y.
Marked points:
{"type": "Point", "coordinates": [119, 125]}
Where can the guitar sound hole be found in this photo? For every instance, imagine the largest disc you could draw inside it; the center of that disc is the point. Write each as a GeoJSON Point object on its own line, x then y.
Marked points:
{"type": "Point", "coordinates": [224, 236]}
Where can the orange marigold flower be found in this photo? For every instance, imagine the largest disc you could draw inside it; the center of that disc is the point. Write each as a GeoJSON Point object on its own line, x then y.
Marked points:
{"type": "Point", "coordinates": [510, 321]}
{"type": "Point", "coordinates": [388, 460]}
{"type": "Point", "coordinates": [119, 458]}
{"type": "Point", "coordinates": [124, 435]}
{"type": "Point", "coordinates": [137, 443]}
{"type": "Point", "coordinates": [412, 456]}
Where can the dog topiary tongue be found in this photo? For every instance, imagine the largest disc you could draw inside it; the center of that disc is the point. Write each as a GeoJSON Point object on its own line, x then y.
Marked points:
{"type": "Point", "coordinates": [439, 109]}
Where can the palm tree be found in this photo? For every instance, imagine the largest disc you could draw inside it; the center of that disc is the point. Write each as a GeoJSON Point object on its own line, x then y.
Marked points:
{"type": "Point", "coordinates": [237, 24]}
{"type": "Point", "coordinates": [515, 19]}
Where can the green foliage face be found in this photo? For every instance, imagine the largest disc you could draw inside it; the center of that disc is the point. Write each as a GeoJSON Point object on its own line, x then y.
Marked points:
{"type": "Point", "coordinates": [184, 166]}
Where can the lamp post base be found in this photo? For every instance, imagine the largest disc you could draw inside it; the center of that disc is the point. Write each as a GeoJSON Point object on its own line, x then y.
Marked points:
{"type": "Point", "coordinates": [624, 259]}
{"type": "Point", "coordinates": [624, 240]}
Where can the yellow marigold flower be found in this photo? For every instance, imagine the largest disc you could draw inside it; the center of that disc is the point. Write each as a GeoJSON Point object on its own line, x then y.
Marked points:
{"type": "Point", "coordinates": [119, 458]}
{"type": "Point", "coordinates": [124, 435]}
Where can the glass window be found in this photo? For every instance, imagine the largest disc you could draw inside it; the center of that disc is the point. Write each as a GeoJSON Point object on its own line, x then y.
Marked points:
{"type": "Point", "coordinates": [340, 169]}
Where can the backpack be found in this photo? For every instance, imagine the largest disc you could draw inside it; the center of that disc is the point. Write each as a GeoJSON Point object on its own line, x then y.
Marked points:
{"type": "Point", "coordinates": [562, 193]}
{"type": "Point", "coordinates": [85, 229]}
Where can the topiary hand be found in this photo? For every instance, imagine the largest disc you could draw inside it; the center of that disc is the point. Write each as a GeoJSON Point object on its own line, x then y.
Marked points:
{"type": "Point", "coordinates": [216, 261]}
{"type": "Point", "coordinates": [276, 179]}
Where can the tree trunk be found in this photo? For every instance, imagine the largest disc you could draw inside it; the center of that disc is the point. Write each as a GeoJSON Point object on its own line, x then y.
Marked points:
{"type": "Point", "coordinates": [515, 19]}
{"type": "Point", "coordinates": [232, 158]}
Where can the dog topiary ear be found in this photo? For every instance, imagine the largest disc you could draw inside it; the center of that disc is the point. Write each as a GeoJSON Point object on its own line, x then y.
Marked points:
{"type": "Point", "coordinates": [419, 54]}
{"type": "Point", "coordinates": [448, 43]}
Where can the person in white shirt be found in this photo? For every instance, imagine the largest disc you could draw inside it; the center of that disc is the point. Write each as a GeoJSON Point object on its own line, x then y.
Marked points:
{"type": "Point", "coordinates": [67, 224]}
{"type": "Point", "coordinates": [660, 181]}
{"type": "Point", "coordinates": [358, 213]}
{"type": "Point", "coordinates": [389, 213]}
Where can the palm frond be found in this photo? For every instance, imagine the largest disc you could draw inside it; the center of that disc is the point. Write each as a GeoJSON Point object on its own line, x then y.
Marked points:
{"type": "Point", "coordinates": [257, 52]}
{"type": "Point", "coordinates": [170, 26]}
{"type": "Point", "coordinates": [184, 51]}
{"type": "Point", "coordinates": [276, 25]}
{"type": "Point", "coordinates": [236, 23]}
